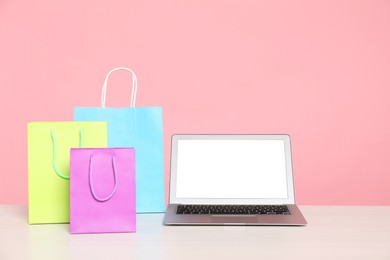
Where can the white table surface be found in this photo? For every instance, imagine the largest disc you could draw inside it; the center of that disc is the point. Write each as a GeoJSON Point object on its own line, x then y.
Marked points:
{"type": "Point", "coordinates": [332, 233]}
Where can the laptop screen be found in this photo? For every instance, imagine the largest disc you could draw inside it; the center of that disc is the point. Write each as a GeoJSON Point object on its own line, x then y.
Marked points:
{"type": "Point", "coordinates": [230, 168]}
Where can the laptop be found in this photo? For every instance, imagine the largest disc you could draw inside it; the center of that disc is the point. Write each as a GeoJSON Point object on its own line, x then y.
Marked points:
{"type": "Point", "coordinates": [232, 180]}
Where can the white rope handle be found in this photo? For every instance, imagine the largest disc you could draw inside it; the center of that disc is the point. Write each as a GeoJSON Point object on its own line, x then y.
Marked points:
{"type": "Point", "coordinates": [133, 89]}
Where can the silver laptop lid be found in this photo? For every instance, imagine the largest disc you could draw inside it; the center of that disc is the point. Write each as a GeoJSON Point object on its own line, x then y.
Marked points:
{"type": "Point", "coordinates": [231, 169]}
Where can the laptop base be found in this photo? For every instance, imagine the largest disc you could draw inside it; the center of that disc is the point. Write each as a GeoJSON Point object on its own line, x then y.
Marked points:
{"type": "Point", "coordinates": [294, 219]}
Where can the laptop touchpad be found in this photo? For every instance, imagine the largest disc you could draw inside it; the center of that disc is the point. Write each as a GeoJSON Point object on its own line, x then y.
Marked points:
{"type": "Point", "coordinates": [234, 219]}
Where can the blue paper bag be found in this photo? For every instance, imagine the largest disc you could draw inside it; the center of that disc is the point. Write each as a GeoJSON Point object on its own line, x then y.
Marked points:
{"type": "Point", "coordinates": [141, 128]}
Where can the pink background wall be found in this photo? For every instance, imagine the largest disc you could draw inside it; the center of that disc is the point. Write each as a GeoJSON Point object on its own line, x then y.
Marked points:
{"type": "Point", "coordinates": [318, 70]}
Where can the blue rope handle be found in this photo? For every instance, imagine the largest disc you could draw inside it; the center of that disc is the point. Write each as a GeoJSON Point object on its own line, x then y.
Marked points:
{"type": "Point", "coordinates": [91, 181]}
{"type": "Point", "coordinates": [53, 137]}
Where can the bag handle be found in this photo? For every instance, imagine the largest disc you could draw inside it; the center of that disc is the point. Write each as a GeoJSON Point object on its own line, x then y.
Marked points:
{"type": "Point", "coordinates": [54, 139]}
{"type": "Point", "coordinates": [133, 89]}
{"type": "Point", "coordinates": [91, 181]}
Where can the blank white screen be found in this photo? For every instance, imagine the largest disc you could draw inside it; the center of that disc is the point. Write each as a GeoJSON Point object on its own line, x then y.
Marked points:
{"type": "Point", "coordinates": [231, 169]}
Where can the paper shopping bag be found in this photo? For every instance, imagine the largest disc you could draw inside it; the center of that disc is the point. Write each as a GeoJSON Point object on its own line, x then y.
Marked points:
{"type": "Point", "coordinates": [141, 128]}
{"type": "Point", "coordinates": [102, 190]}
{"type": "Point", "coordinates": [49, 146]}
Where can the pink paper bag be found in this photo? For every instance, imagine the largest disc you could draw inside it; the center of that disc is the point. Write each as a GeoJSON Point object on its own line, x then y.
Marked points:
{"type": "Point", "coordinates": [102, 190]}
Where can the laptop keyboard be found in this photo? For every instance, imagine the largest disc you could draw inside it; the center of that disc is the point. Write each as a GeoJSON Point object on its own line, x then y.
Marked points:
{"type": "Point", "coordinates": [233, 209]}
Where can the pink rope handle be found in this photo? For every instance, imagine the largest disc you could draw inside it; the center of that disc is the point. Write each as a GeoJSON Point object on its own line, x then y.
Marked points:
{"type": "Point", "coordinates": [91, 181]}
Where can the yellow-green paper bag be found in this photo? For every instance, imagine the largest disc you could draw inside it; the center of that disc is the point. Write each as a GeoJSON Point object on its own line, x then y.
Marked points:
{"type": "Point", "coordinates": [49, 146]}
